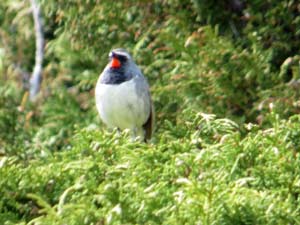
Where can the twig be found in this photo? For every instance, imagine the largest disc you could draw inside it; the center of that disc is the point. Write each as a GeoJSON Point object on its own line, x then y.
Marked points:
{"type": "Point", "coordinates": [233, 28]}
{"type": "Point", "coordinates": [36, 77]}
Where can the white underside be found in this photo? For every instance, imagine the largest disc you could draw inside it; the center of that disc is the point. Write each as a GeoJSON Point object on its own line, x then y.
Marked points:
{"type": "Point", "coordinates": [121, 106]}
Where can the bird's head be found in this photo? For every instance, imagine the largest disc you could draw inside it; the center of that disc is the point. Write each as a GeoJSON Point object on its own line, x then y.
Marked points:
{"type": "Point", "coordinates": [119, 59]}
{"type": "Point", "coordinates": [120, 68]}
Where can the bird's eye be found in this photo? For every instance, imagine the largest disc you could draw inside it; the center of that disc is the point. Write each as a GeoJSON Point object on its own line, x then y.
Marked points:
{"type": "Point", "coordinates": [122, 58]}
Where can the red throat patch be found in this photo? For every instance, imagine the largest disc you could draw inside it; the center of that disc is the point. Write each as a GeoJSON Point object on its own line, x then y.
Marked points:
{"type": "Point", "coordinates": [115, 63]}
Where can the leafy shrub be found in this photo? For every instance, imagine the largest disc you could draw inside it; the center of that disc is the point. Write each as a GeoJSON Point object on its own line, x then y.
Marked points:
{"type": "Point", "coordinates": [105, 178]}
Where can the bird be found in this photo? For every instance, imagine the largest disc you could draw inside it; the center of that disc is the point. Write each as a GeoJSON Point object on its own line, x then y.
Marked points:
{"type": "Point", "coordinates": [123, 98]}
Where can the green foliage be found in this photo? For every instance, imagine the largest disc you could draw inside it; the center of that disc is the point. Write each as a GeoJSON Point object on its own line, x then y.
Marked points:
{"type": "Point", "coordinates": [224, 78]}
{"type": "Point", "coordinates": [276, 25]}
{"type": "Point", "coordinates": [104, 178]}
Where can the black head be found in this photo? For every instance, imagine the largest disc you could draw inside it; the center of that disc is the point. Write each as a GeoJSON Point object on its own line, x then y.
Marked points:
{"type": "Point", "coordinates": [119, 58]}
{"type": "Point", "coordinates": [118, 68]}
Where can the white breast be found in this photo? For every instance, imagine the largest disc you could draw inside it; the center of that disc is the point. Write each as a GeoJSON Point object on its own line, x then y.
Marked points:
{"type": "Point", "coordinates": [121, 105]}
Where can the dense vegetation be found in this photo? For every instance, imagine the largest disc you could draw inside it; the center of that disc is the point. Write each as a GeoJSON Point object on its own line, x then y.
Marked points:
{"type": "Point", "coordinates": [224, 78]}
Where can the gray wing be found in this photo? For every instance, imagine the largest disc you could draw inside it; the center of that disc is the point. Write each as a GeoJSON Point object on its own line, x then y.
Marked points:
{"type": "Point", "coordinates": [144, 90]}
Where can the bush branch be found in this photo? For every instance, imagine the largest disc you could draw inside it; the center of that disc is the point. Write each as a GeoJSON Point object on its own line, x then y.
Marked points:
{"type": "Point", "coordinates": [36, 77]}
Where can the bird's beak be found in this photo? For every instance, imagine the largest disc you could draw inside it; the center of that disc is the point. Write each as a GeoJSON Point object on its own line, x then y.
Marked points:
{"type": "Point", "coordinates": [115, 63]}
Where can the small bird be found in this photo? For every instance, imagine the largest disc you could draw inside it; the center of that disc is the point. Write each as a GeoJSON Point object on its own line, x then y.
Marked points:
{"type": "Point", "coordinates": [123, 97]}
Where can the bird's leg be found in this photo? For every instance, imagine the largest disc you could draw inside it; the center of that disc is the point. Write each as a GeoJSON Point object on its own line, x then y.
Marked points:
{"type": "Point", "coordinates": [119, 132]}
{"type": "Point", "coordinates": [133, 134]}
{"type": "Point", "coordinates": [137, 134]}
